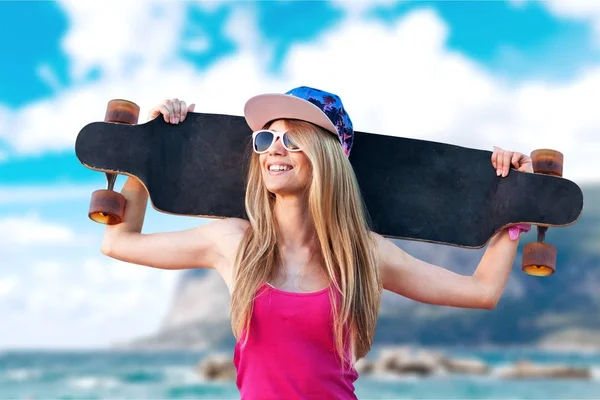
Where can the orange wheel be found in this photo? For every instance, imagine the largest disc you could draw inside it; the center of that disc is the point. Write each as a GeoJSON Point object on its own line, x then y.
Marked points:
{"type": "Point", "coordinates": [107, 207]}
{"type": "Point", "coordinates": [539, 259]}
{"type": "Point", "coordinates": [546, 161]}
{"type": "Point", "coordinates": [122, 111]}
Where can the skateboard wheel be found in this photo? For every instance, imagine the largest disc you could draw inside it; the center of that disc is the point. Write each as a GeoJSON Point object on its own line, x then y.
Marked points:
{"type": "Point", "coordinates": [107, 207]}
{"type": "Point", "coordinates": [122, 111]}
{"type": "Point", "coordinates": [546, 161]}
{"type": "Point", "coordinates": [539, 259]}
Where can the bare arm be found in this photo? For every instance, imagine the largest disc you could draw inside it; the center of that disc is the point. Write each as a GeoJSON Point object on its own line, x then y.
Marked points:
{"type": "Point", "coordinates": [427, 283]}
{"type": "Point", "coordinates": [206, 246]}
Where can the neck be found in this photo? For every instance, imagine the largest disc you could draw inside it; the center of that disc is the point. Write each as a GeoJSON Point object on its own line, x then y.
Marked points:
{"type": "Point", "coordinates": [296, 229]}
{"type": "Point", "coordinates": [297, 242]}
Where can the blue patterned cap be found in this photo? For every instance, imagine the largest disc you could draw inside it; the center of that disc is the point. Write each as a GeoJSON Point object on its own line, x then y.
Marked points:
{"type": "Point", "coordinates": [304, 103]}
{"type": "Point", "coordinates": [333, 108]}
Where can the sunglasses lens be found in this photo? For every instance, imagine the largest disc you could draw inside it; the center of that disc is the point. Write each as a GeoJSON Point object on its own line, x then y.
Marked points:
{"type": "Point", "coordinates": [289, 143]}
{"type": "Point", "coordinates": [263, 140]}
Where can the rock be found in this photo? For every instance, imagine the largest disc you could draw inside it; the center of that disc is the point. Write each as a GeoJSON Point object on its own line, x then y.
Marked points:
{"type": "Point", "coordinates": [465, 366]}
{"type": "Point", "coordinates": [364, 366]}
{"type": "Point", "coordinates": [525, 369]}
{"type": "Point", "coordinates": [389, 358]}
{"type": "Point", "coordinates": [404, 360]}
{"type": "Point", "coordinates": [420, 363]}
{"type": "Point", "coordinates": [571, 339]}
{"type": "Point", "coordinates": [218, 367]}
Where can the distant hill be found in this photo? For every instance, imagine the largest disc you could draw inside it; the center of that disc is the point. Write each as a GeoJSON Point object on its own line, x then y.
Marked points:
{"type": "Point", "coordinates": [559, 310]}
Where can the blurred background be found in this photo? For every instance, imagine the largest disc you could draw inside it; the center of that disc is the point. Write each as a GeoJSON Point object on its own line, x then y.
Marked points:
{"type": "Point", "coordinates": [517, 74]}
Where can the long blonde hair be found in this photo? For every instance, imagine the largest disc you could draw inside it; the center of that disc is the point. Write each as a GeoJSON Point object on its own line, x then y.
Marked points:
{"type": "Point", "coordinates": [342, 227]}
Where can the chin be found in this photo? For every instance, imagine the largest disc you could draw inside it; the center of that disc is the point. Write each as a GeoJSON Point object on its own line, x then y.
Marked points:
{"type": "Point", "coordinates": [284, 189]}
{"type": "Point", "coordinates": [277, 190]}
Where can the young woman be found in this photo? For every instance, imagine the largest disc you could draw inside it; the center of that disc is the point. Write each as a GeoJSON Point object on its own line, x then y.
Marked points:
{"type": "Point", "coordinates": [305, 272]}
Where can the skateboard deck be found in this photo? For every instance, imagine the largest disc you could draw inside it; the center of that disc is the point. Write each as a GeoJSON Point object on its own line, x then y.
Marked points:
{"type": "Point", "coordinates": [413, 189]}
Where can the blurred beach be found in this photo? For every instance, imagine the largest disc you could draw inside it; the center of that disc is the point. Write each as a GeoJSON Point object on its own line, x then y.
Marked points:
{"type": "Point", "coordinates": [175, 375]}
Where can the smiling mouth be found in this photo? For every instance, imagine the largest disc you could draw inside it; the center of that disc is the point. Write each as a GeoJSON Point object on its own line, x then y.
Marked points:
{"type": "Point", "coordinates": [278, 172]}
{"type": "Point", "coordinates": [277, 168]}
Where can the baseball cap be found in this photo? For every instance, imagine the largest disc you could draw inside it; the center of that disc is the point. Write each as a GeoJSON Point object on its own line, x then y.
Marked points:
{"type": "Point", "coordinates": [304, 103]}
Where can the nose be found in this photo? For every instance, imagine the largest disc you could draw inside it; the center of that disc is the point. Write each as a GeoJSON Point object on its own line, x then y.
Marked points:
{"type": "Point", "coordinates": [277, 147]}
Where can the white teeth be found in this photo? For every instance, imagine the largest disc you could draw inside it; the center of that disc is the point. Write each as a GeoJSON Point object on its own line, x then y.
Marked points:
{"type": "Point", "coordinates": [279, 168]}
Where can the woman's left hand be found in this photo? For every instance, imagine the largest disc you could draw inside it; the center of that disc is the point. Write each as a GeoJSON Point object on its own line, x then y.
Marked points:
{"type": "Point", "coordinates": [502, 160]}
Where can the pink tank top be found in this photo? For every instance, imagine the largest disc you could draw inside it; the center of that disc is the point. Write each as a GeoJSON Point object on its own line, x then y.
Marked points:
{"type": "Point", "coordinates": [290, 353]}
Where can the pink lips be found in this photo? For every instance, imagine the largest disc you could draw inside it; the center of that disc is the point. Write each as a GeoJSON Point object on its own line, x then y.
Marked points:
{"type": "Point", "coordinates": [278, 172]}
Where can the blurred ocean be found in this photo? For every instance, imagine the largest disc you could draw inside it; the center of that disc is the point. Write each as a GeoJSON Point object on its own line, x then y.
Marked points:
{"type": "Point", "coordinates": [171, 375]}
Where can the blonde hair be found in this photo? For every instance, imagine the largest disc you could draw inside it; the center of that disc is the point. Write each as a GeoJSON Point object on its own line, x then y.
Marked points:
{"type": "Point", "coordinates": [342, 228]}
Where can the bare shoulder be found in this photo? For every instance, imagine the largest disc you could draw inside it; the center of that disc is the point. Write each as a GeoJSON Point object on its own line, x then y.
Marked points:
{"type": "Point", "coordinates": [226, 237]}
{"type": "Point", "coordinates": [227, 233]}
{"type": "Point", "coordinates": [380, 241]}
{"type": "Point", "coordinates": [387, 252]}
{"type": "Point", "coordinates": [230, 226]}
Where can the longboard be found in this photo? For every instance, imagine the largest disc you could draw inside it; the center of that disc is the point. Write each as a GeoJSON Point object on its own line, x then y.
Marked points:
{"type": "Point", "coordinates": [413, 189]}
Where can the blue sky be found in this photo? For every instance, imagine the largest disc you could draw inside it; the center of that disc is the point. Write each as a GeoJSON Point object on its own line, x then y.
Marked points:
{"type": "Point", "coordinates": [518, 74]}
{"type": "Point", "coordinates": [486, 31]}
{"type": "Point", "coordinates": [519, 42]}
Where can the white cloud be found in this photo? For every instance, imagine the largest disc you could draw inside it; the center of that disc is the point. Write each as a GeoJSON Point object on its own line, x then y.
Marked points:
{"type": "Point", "coordinates": [419, 89]}
{"type": "Point", "coordinates": [415, 88]}
{"type": "Point", "coordinates": [198, 45]}
{"type": "Point", "coordinates": [209, 5]}
{"type": "Point", "coordinates": [584, 10]}
{"type": "Point", "coordinates": [45, 270]}
{"type": "Point", "coordinates": [7, 285]}
{"type": "Point", "coordinates": [5, 115]}
{"type": "Point", "coordinates": [47, 75]}
{"type": "Point", "coordinates": [22, 195]}
{"type": "Point", "coordinates": [31, 230]}
{"type": "Point", "coordinates": [357, 8]}
{"type": "Point", "coordinates": [140, 32]}
{"type": "Point", "coordinates": [101, 271]}
{"type": "Point", "coordinates": [88, 303]}
{"type": "Point", "coordinates": [241, 29]}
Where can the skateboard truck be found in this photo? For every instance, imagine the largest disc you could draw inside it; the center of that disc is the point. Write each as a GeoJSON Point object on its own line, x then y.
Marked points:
{"type": "Point", "coordinates": [539, 258]}
{"type": "Point", "coordinates": [107, 206]}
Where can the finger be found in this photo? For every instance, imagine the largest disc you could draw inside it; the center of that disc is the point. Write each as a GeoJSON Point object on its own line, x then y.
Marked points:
{"type": "Point", "coordinates": [498, 162]}
{"type": "Point", "coordinates": [526, 164]}
{"type": "Point", "coordinates": [506, 162]}
{"type": "Point", "coordinates": [164, 110]}
{"type": "Point", "coordinates": [191, 108]}
{"type": "Point", "coordinates": [182, 110]}
{"type": "Point", "coordinates": [515, 159]}
{"type": "Point", "coordinates": [169, 105]}
{"type": "Point", "coordinates": [494, 155]}
{"type": "Point", "coordinates": [176, 111]}
{"type": "Point", "coordinates": [498, 151]}
{"type": "Point", "coordinates": [153, 113]}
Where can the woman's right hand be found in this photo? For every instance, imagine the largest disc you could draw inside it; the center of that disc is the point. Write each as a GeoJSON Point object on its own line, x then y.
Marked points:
{"type": "Point", "coordinates": [174, 111]}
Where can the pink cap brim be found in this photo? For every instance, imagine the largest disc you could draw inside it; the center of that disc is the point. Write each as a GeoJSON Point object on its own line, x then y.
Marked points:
{"type": "Point", "coordinates": [261, 109]}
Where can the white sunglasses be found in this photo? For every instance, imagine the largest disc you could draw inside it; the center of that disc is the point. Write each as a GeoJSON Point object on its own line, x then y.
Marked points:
{"type": "Point", "coordinates": [263, 139]}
